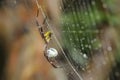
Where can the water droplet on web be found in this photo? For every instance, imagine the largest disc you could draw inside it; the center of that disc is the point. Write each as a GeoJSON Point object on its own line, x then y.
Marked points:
{"type": "Point", "coordinates": [86, 46]}
{"type": "Point", "coordinates": [109, 48]}
{"type": "Point", "coordinates": [74, 49]}
{"type": "Point", "coordinates": [90, 47]}
{"type": "Point", "coordinates": [80, 31]}
{"type": "Point", "coordinates": [86, 13]}
{"type": "Point", "coordinates": [81, 53]}
{"type": "Point", "coordinates": [74, 13]}
{"type": "Point", "coordinates": [82, 45]}
{"type": "Point", "coordinates": [63, 31]}
{"type": "Point", "coordinates": [77, 39]}
{"type": "Point", "coordinates": [15, 1]}
{"type": "Point", "coordinates": [60, 8]}
{"type": "Point", "coordinates": [104, 5]}
{"type": "Point", "coordinates": [73, 25]}
{"type": "Point", "coordinates": [83, 39]}
{"type": "Point", "coordinates": [85, 56]}
{"type": "Point", "coordinates": [93, 3]}
{"type": "Point", "coordinates": [74, 31]}
{"type": "Point", "coordinates": [77, 25]}
{"type": "Point", "coordinates": [91, 78]}
{"type": "Point", "coordinates": [99, 45]}
{"type": "Point", "coordinates": [98, 17]}
{"type": "Point", "coordinates": [82, 48]}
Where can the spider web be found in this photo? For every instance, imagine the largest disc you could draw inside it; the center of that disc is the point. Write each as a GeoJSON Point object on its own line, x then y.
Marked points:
{"type": "Point", "coordinates": [80, 27]}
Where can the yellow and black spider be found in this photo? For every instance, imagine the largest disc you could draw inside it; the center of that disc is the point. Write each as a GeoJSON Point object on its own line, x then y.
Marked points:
{"type": "Point", "coordinates": [47, 36]}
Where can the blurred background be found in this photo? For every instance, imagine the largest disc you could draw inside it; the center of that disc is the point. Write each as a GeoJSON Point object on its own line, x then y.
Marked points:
{"type": "Point", "coordinates": [84, 32]}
